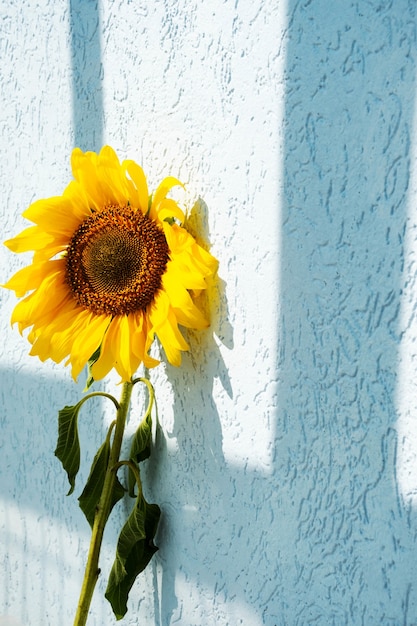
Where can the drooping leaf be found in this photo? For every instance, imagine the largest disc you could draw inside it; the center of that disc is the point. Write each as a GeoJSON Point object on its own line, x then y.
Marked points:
{"type": "Point", "coordinates": [135, 549]}
{"type": "Point", "coordinates": [91, 494]}
{"type": "Point", "coordinates": [141, 447]}
{"type": "Point", "coordinates": [68, 445]}
{"type": "Point", "coordinates": [142, 440]}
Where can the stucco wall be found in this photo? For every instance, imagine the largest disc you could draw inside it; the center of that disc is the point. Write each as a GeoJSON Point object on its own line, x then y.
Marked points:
{"type": "Point", "coordinates": [285, 463]}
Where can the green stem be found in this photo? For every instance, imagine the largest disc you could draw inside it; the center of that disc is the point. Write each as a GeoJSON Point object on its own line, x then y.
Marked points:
{"type": "Point", "coordinates": [135, 471]}
{"type": "Point", "coordinates": [103, 511]}
{"type": "Point", "coordinates": [99, 393]}
{"type": "Point", "coordinates": [151, 394]}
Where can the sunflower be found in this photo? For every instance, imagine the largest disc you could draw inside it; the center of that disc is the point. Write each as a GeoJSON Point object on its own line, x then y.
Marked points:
{"type": "Point", "coordinates": [112, 268]}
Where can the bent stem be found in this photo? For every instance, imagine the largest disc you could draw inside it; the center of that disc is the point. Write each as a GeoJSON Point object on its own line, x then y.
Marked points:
{"type": "Point", "coordinates": [103, 511]}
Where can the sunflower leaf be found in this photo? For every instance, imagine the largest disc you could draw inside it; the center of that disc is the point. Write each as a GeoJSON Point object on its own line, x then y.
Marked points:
{"type": "Point", "coordinates": [93, 359]}
{"type": "Point", "coordinates": [68, 445]}
{"type": "Point", "coordinates": [142, 440]}
{"type": "Point", "coordinates": [141, 447]}
{"type": "Point", "coordinates": [91, 494]}
{"type": "Point", "coordinates": [135, 549]}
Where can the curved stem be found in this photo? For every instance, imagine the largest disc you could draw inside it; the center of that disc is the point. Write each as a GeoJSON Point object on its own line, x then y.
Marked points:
{"type": "Point", "coordinates": [99, 393]}
{"type": "Point", "coordinates": [151, 392]}
{"type": "Point", "coordinates": [103, 510]}
{"type": "Point", "coordinates": [134, 469]}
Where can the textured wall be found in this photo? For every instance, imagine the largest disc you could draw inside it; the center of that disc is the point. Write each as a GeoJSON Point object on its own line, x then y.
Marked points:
{"type": "Point", "coordinates": [286, 457]}
{"type": "Point", "coordinates": [349, 215]}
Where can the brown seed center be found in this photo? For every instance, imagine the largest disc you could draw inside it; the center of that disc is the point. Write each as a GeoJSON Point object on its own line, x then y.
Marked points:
{"type": "Point", "coordinates": [116, 260]}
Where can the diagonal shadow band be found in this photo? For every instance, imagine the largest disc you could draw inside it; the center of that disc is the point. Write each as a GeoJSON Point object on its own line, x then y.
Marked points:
{"type": "Point", "coordinates": [87, 74]}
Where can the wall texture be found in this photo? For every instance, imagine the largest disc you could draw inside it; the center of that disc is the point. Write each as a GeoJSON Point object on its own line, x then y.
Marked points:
{"type": "Point", "coordinates": [286, 454]}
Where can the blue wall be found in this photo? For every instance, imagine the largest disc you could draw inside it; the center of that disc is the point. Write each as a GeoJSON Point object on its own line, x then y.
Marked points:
{"type": "Point", "coordinates": [286, 456]}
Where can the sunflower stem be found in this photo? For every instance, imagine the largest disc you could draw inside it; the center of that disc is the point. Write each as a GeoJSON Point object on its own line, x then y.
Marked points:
{"type": "Point", "coordinates": [103, 511]}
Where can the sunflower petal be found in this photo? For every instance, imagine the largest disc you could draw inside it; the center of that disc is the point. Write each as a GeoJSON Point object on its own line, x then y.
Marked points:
{"type": "Point", "coordinates": [32, 276]}
{"type": "Point", "coordinates": [181, 302]}
{"type": "Point", "coordinates": [32, 238]}
{"type": "Point", "coordinates": [126, 362]}
{"type": "Point", "coordinates": [137, 175]}
{"type": "Point", "coordinates": [163, 188]}
{"type": "Point", "coordinates": [87, 340]}
{"type": "Point", "coordinates": [109, 350]}
{"type": "Point", "coordinates": [141, 339]}
{"type": "Point", "coordinates": [39, 308]}
{"type": "Point", "coordinates": [177, 237]}
{"type": "Point", "coordinates": [112, 177]}
{"type": "Point", "coordinates": [171, 339]}
{"type": "Point", "coordinates": [54, 340]}
{"type": "Point", "coordinates": [56, 216]}
{"type": "Point", "coordinates": [169, 209]}
{"type": "Point", "coordinates": [164, 325]}
{"type": "Point", "coordinates": [183, 271]}
{"type": "Point", "coordinates": [84, 169]}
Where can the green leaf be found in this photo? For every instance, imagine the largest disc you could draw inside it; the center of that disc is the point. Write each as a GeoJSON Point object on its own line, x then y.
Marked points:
{"type": "Point", "coordinates": [93, 359]}
{"type": "Point", "coordinates": [142, 440]}
{"type": "Point", "coordinates": [91, 494]}
{"type": "Point", "coordinates": [135, 549]}
{"type": "Point", "coordinates": [68, 446]}
{"type": "Point", "coordinates": [141, 447]}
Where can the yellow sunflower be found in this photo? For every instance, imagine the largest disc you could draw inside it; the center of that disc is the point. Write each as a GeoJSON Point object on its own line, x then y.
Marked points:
{"type": "Point", "coordinates": [112, 268]}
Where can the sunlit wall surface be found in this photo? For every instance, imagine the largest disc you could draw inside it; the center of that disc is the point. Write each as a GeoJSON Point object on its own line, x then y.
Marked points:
{"type": "Point", "coordinates": [286, 455]}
